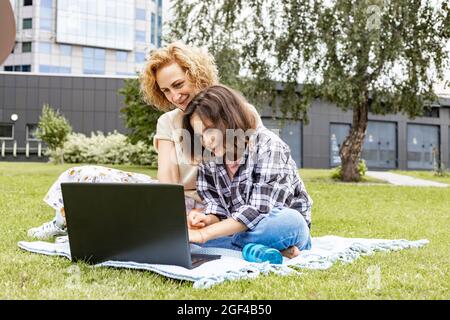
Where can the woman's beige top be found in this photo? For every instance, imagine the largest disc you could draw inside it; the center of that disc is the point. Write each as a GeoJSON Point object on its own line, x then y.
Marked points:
{"type": "Point", "coordinates": [169, 128]}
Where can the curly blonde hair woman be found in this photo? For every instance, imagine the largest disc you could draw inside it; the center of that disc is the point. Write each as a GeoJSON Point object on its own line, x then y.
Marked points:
{"type": "Point", "coordinates": [198, 65]}
{"type": "Point", "coordinates": [171, 78]}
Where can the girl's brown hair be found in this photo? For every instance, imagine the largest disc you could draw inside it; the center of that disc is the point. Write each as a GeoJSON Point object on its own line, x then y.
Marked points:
{"type": "Point", "coordinates": [223, 109]}
{"type": "Point", "coordinates": [199, 65]}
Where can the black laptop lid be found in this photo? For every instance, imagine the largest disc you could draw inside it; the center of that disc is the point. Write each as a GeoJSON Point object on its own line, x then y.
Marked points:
{"type": "Point", "coordinates": [143, 223]}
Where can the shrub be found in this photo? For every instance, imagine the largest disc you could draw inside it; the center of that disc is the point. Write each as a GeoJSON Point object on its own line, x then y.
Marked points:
{"type": "Point", "coordinates": [440, 170]}
{"type": "Point", "coordinates": [362, 169]}
{"type": "Point", "coordinates": [114, 148]}
{"type": "Point", "coordinates": [53, 129]}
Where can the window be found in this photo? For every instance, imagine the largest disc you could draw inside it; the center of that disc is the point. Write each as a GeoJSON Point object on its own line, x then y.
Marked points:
{"type": "Point", "coordinates": [46, 3]}
{"type": "Point", "coordinates": [19, 68]}
{"type": "Point", "coordinates": [65, 50]}
{"type": "Point", "coordinates": [152, 28]}
{"type": "Point", "coordinates": [65, 70]}
{"type": "Point", "coordinates": [160, 3]}
{"type": "Point", "coordinates": [27, 23]}
{"type": "Point", "coordinates": [140, 14]}
{"type": "Point", "coordinates": [99, 24]}
{"type": "Point", "coordinates": [6, 131]}
{"type": "Point", "coordinates": [140, 36]}
{"type": "Point", "coordinates": [46, 13]}
{"type": "Point", "coordinates": [380, 145]}
{"type": "Point", "coordinates": [45, 47]}
{"type": "Point", "coordinates": [139, 57]}
{"type": "Point", "coordinates": [43, 68]}
{"type": "Point", "coordinates": [27, 3]}
{"type": "Point", "coordinates": [45, 20]}
{"type": "Point", "coordinates": [422, 146]}
{"type": "Point", "coordinates": [31, 132]}
{"type": "Point", "coordinates": [26, 46]}
{"type": "Point", "coordinates": [121, 55]}
{"type": "Point", "coordinates": [291, 133]}
{"type": "Point", "coordinates": [45, 24]}
{"type": "Point", "coordinates": [159, 30]}
{"type": "Point", "coordinates": [430, 112]}
{"type": "Point", "coordinates": [93, 61]}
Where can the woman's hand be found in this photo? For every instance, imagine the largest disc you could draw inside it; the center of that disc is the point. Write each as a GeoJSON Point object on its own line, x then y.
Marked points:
{"type": "Point", "coordinates": [196, 219]}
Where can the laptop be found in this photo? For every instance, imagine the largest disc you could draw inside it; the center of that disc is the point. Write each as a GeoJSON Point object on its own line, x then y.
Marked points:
{"type": "Point", "coordinates": [143, 223]}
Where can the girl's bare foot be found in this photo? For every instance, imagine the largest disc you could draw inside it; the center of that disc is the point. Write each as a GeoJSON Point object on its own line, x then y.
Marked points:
{"type": "Point", "coordinates": [291, 252]}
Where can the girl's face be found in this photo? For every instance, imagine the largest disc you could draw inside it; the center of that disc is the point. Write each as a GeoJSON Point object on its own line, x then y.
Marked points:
{"type": "Point", "coordinates": [212, 139]}
{"type": "Point", "coordinates": [173, 82]}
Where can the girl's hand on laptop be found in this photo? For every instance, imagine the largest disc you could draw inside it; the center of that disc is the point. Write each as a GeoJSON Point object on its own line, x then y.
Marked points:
{"type": "Point", "coordinates": [196, 219]}
{"type": "Point", "coordinates": [196, 236]}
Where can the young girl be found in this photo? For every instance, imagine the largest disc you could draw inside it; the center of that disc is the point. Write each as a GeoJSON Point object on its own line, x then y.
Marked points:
{"type": "Point", "coordinates": [248, 180]}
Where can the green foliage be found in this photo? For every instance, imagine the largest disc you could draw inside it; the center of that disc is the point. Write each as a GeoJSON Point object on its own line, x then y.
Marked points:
{"type": "Point", "coordinates": [100, 149]}
{"type": "Point", "coordinates": [140, 118]}
{"type": "Point", "coordinates": [362, 169]}
{"type": "Point", "coordinates": [379, 55]}
{"type": "Point", "coordinates": [222, 37]}
{"type": "Point", "coordinates": [53, 128]}
{"type": "Point", "coordinates": [344, 49]}
{"type": "Point", "coordinates": [440, 170]}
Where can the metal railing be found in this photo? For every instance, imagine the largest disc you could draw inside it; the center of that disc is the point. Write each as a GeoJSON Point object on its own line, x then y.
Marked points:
{"type": "Point", "coordinates": [8, 147]}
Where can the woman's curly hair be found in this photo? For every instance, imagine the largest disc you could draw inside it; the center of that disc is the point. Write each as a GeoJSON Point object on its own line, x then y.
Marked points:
{"type": "Point", "coordinates": [199, 65]}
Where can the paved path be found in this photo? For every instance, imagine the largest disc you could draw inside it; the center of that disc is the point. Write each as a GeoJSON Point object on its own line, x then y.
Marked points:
{"type": "Point", "coordinates": [401, 180]}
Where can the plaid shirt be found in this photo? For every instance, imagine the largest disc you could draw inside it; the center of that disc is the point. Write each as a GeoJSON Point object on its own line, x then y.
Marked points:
{"type": "Point", "coordinates": [268, 178]}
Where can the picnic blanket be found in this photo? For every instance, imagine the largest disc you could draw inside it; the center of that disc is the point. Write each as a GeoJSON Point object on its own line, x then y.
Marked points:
{"type": "Point", "coordinates": [325, 251]}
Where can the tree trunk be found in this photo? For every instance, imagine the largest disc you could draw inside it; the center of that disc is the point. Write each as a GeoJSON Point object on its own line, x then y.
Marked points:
{"type": "Point", "coordinates": [350, 151]}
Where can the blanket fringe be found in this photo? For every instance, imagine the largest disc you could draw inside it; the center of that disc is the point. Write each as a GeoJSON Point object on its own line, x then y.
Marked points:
{"type": "Point", "coordinates": [306, 260]}
{"type": "Point", "coordinates": [249, 272]}
{"type": "Point", "coordinates": [358, 249]}
{"type": "Point", "coordinates": [355, 251]}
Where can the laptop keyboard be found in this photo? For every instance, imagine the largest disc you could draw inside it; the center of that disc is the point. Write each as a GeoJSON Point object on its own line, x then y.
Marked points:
{"type": "Point", "coordinates": [198, 259]}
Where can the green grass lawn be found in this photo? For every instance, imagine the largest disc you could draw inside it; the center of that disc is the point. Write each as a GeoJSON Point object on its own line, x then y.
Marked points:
{"type": "Point", "coordinates": [363, 210]}
{"type": "Point", "coordinates": [427, 175]}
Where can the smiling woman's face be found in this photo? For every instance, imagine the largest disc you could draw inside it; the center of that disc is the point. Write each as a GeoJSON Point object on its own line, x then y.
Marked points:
{"type": "Point", "coordinates": [175, 85]}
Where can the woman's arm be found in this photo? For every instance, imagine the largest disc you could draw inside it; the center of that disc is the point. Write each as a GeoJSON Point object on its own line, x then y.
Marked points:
{"type": "Point", "coordinates": [216, 230]}
{"type": "Point", "coordinates": [168, 171]}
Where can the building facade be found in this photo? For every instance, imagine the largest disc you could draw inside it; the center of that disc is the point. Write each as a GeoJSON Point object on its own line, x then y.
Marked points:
{"type": "Point", "coordinates": [391, 141]}
{"type": "Point", "coordinates": [106, 37]}
{"type": "Point", "coordinates": [92, 103]}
